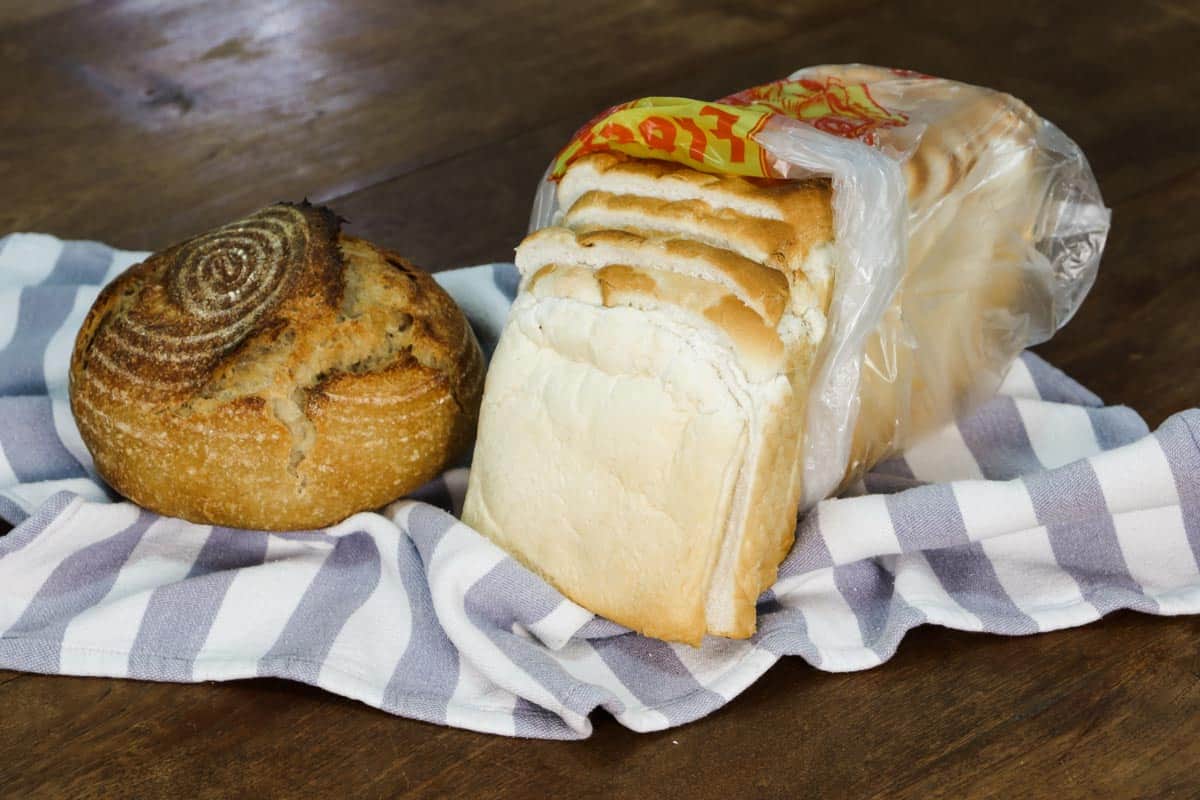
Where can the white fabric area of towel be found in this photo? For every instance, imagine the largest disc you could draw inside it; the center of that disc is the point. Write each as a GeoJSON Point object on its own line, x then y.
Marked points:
{"type": "Point", "coordinates": [1043, 510]}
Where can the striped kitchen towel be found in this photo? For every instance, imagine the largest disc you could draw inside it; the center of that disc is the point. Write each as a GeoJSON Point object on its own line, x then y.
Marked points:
{"type": "Point", "coordinates": [1044, 510]}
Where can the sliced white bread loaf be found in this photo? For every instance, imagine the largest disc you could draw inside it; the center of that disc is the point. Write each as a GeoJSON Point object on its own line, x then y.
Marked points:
{"type": "Point", "coordinates": [640, 431]}
{"type": "Point", "coordinates": [641, 425]}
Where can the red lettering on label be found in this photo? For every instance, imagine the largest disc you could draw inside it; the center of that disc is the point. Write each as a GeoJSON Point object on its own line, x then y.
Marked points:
{"type": "Point", "coordinates": [699, 140]}
{"type": "Point", "coordinates": [724, 130]}
{"type": "Point", "coordinates": [618, 133]}
{"type": "Point", "coordinates": [587, 140]}
{"type": "Point", "coordinates": [659, 133]}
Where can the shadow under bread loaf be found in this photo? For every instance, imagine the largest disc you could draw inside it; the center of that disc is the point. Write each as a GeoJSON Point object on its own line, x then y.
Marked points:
{"type": "Point", "coordinates": [274, 373]}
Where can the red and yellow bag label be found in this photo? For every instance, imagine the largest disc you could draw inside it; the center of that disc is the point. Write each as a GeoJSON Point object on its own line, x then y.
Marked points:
{"type": "Point", "coordinates": [843, 109]}
{"type": "Point", "coordinates": [719, 137]}
{"type": "Point", "coordinates": [713, 137]}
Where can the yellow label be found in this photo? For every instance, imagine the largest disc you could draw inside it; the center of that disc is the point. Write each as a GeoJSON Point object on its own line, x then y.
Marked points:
{"type": "Point", "coordinates": [707, 136]}
{"type": "Point", "coordinates": [719, 137]}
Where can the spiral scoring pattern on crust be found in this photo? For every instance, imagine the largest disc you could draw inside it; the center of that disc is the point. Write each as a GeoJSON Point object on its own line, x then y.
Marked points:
{"type": "Point", "coordinates": [274, 373]}
{"type": "Point", "coordinates": [215, 289]}
{"type": "Point", "coordinates": [229, 277]}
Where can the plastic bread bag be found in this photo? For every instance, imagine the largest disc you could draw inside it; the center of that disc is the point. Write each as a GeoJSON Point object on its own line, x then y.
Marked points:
{"type": "Point", "coordinates": [967, 228]}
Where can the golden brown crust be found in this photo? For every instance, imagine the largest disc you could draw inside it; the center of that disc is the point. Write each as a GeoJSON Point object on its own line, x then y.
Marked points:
{"type": "Point", "coordinates": [745, 328]}
{"type": "Point", "coordinates": [761, 288]}
{"type": "Point", "coordinates": [790, 201]}
{"type": "Point", "coordinates": [759, 348]}
{"type": "Point", "coordinates": [274, 374]}
{"type": "Point", "coordinates": [619, 278]}
{"type": "Point", "coordinates": [781, 245]}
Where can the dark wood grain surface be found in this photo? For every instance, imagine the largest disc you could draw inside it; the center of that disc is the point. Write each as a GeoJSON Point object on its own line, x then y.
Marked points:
{"type": "Point", "coordinates": [427, 125]}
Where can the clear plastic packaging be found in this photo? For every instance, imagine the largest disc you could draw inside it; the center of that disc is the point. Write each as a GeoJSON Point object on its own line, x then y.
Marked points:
{"type": "Point", "coordinates": [967, 228]}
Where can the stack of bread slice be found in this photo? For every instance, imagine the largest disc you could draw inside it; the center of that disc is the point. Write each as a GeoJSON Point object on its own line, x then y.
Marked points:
{"type": "Point", "coordinates": [639, 442]}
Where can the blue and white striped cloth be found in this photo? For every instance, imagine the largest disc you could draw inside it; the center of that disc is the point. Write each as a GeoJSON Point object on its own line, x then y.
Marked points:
{"type": "Point", "coordinates": [1043, 511]}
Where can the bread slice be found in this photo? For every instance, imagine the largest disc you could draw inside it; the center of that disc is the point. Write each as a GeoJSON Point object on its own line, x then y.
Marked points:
{"type": "Point", "coordinates": [762, 289]}
{"type": "Point", "coordinates": [640, 429]}
{"type": "Point", "coordinates": [695, 302]}
{"type": "Point", "coordinates": [783, 246]}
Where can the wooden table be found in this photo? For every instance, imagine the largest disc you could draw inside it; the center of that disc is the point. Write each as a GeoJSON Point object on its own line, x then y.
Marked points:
{"type": "Point", "coordinates": [427, 125]}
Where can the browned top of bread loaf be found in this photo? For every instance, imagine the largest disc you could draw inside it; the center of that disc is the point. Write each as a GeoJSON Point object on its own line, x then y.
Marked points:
{"type": "Point", "coordinates": [791, 201]}
{"type": "Point", "coordinates": [265, 343]}
{"type": "Point", "coordinates": [775, 224]}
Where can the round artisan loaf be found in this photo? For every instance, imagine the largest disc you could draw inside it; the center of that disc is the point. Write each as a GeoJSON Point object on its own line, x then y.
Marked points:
{"type": "Point", "coordinates": [274, 373]}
